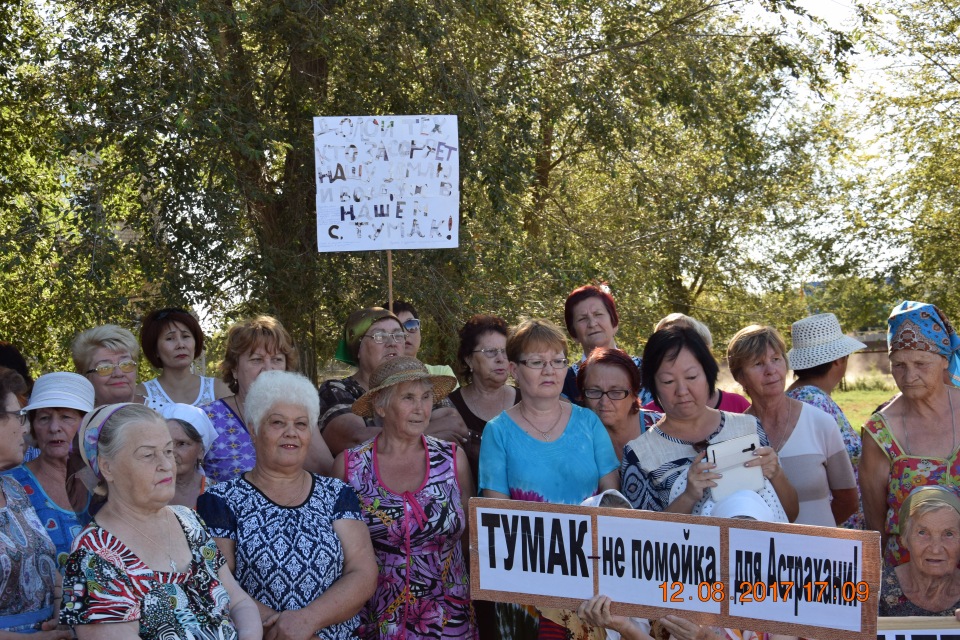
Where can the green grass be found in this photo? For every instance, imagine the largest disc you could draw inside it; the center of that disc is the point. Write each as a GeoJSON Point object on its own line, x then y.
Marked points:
{"type": "Point", "coordinates": [859, 404]}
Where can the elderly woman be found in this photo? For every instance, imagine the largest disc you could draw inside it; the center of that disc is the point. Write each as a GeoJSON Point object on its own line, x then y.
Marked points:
{"type": "Point", "coordinates": [296, 539]}
{"type": "Point", "coordinates": [413, 489]}
{"type": "Point", "coordinates": [142, 569]}
{"type": "Point", "coordinates": [806, 439]}
{"type": "Point", "coordinates": [172, 339]}
{"type": "Point", "coordinates": [720, 400]}
{"type": "Point", "coordinates": [929, 583]}
{"type": "Point", "coordinates": [57, 406]}
{"type": "Point", "coordinates": [682, 374]}
{"type": "Point", "coordinates": [371, 336]}
{"type": "Point", "coordinates": [482, 360]}
{"type": "Point", "coordinates": [914, 439]}
{"type": "Point", "coordinates": [527, 450]}
{"type": "Point", "coordinates": [609, 383]}
{"type": "Point", "coordinates": [590, 315]}
{"type": "Point", "coordinates": [29, 582]}
{"type": "Point", "coordinates": [193, 434]}
{"type": "Point", "coordinates": [819, 361]}
{"type": "Point", "coordinates": [107, 356]}
{"type": "Point", "coordinates": [253, 346]}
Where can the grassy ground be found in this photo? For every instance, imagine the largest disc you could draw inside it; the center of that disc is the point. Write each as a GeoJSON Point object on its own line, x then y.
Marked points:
{"type": "Point", "coordinates": [859, 404]}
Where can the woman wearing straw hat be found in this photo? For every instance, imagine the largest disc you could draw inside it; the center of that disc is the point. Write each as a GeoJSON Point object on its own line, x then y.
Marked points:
{"type": "Point", "coordinates": [912, 441]}
{"type": "Point", "coordinates": [57, 406]}
{"type": "Point", "coordinates": [193, 435]}
{"type": "Point", "coordinates": [142, 569]}
{"type": "Point", "coordinates": [819, 361]}
{"type": "Point", "coordinates": [413, 490]}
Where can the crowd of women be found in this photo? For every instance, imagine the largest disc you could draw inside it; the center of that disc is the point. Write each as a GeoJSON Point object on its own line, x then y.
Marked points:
{"type": "Point", "coordinates": [258, 506]}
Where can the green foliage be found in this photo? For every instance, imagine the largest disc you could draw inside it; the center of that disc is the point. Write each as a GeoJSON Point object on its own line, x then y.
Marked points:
{"type": "Point", "coordinates": [643, 143]}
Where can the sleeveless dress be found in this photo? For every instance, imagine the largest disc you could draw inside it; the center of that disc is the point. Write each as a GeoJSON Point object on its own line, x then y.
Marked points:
{"type": "Point", "coordinates": [423, 589]}
{"type": "Point", "coordinates": [157, 398]}
{"type": "Point", "coordinates": [232, 453]}
{"type": "Point", "coordinates": [906, 473]}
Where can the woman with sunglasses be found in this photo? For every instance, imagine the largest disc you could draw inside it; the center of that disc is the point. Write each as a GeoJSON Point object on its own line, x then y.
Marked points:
{"type": "Point", "coordinates": [107, 356]}
{"type": "Point", "coordinates": [372, 336]}
{"type": "Point", "coordinates": [609, 383]}
{"type": "Point", "coordinates": [172, 339]}
{"type": "Point", "coordinates": [680, 371]}
{"type": "Point", "coordinates": [482, 361]}
{"type": "Point", "coordinates": [544, 449]}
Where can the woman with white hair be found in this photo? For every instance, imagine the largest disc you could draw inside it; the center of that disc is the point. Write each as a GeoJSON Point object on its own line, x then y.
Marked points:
{"type": "Point", "coordinates": [107, 356]}
{"type": "Point", "coordinates": [296, 540]}
{"type": "Point", "coordinates": [193, 434]}
{"type": "Point", "coordinates": [142, 569]}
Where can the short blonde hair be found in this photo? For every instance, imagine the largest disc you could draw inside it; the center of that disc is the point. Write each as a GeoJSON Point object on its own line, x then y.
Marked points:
{"type": "Point", "coordinates": [108, 336]}
{"type": "Point", "coordinates": [686, 321]}
{"type": "Point", "coordinates": [536, 333]}
{"type": "Point", "coordinates": [751, 343]}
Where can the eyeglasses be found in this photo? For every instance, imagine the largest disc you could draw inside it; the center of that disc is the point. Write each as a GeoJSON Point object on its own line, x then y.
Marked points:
{"type": "Point", "coordinates": [412, 325]}
{"type": "Point", "coordinates": [381, 336]}
{"type": "Point", "coordinates": [613, 394]}
{"type": "Point", "coordinates": [491, 353]}
{"type": "Point", "coordinates": [20, 415]}
{"type": "Point", "coordinates": [537, 363]}
{"type": "Point", "coordinates": [105, 369]}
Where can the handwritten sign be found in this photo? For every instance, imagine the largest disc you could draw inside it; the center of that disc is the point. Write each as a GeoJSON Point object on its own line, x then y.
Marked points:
{"type": "Point", "coordinates": [387, 182]}
{"type": "Point", "coordinates": [737, 574]}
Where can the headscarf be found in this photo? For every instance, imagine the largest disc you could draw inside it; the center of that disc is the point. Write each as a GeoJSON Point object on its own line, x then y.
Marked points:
{"type": "Point", "coordinates": [356, 326]}
{"type": "Point", "coordinates": [90, 434]}
{"type": "Point", "coordinates": [923, 327]}
{"type": "Point", "coordinates": [927, 493]}
{"type": "Point", "coordinates": [196, 418]}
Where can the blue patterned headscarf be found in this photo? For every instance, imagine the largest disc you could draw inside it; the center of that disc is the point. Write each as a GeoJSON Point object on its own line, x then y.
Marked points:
{"type": "Point", "coordinates": [922, 327]}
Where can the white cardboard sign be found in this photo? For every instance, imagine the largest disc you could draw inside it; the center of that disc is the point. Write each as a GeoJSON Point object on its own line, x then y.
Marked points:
{"type": "Point", "coordinates": [387, 182]}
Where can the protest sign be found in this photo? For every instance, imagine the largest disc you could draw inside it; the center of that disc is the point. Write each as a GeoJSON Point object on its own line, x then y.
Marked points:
{"type": "Point", "coordinates": [918, 628]}
{"type": "Point", "coordinates": [387, 182]}
{"type": "Point", "coordinates": [814, 582]}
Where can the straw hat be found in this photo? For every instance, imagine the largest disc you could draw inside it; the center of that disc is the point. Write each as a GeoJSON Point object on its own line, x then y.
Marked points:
{"type": "Point", "coordinates": [62, 390]}
{"type": "Point", "coordinates": [818, 340]}
{"type": "Point", "coordinates": [397, 370]}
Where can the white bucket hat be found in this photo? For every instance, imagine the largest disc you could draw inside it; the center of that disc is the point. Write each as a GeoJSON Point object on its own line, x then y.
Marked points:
{"type": "Point", "coordinates": [196, 418]}
{"type": "Point", "coordinates": [62, 390]}
{"type": "Point", "coordinates": [818, 340]}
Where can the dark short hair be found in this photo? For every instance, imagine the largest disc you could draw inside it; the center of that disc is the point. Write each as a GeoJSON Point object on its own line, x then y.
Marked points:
{"type": "Point", "coordinates": [470, 333]}
{"type": "Point", "coordinates": [13, 382]}
{"type": "Point", "coordinates": [399, 306]}
{"type": "Point", "coordinates": [11, 358]}
{"type": "Point", "coordinates": [814, 372]}
{"type": "Point", "coordinates": [665, 345]}
{"type": "Point", "coordinates": [156, 323]}
{"type": "Point", "coordinates": [613, 358]}
{"type": "Point", "coordinates": [579, 295]}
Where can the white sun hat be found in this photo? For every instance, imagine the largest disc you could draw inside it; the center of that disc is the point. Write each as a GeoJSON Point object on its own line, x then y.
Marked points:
{"type": "Point", "coordinates": [62, 390]}
{"type": "Point", "coordinates": [197, 418]}
{"type": "Point", "coordinates": [818, 340]}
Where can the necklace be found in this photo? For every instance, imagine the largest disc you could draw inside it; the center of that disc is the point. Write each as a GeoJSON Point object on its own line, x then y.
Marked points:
{"type": "Point", "coordinates": [543, 434]}
{"type": "Point", "coordinates": [296, 499]}
{"type": "Point", "coordinates": [173, 565]}
{"type": "Point", "coordinates": [953, 427]}
{"type": "Point", "coordinates": [786, 431]}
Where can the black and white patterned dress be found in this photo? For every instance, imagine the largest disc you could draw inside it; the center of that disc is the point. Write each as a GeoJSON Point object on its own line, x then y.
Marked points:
{"type": "Point", "coordinates": [286, 557]}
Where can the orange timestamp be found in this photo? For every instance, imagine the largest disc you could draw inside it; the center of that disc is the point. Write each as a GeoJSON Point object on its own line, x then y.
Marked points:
{"type": "Point", "coordinates": [820, 591]}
